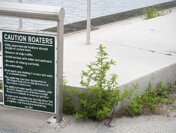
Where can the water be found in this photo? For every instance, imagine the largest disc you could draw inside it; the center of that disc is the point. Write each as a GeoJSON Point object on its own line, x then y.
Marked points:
{"type": "Point", "coordinates": [76, 10]}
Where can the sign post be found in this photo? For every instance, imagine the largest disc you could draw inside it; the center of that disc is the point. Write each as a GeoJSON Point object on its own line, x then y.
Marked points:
{"type": "Point", "coordinates": [20, 19]}
{"type": "Point", "coordinates": [29, 61]}
{"type": "Point", "coordinates": [60, 49]}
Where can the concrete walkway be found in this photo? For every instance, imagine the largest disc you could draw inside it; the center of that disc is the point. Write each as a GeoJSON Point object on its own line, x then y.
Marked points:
{"type": "Point", "coordinates": [140, 47]}
{"type": "Point", "coordinates": [21, 121]}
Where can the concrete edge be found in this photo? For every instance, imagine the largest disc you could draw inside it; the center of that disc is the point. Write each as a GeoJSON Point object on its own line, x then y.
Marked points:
{"type": "Point", "coordinates": [166, 74]}
{"type": "Point", "coordinates": [81, 25]}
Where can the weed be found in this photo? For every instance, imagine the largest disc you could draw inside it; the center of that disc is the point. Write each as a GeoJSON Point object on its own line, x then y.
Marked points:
{"type": "Point", "coordinates": [101, 94]}
{"type": "Point", "coordinates": [162, 90]}
{"type": "Point", "coordinates": [68, 106]}
{"type": "Point", "coordinates": [135, 107]}
{"type": "Point", "coordinates": [151, 12]}
{"type": "Point", "coordinates": [149, 100]}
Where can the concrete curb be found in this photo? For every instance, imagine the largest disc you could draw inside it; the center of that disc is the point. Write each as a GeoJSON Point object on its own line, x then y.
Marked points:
{"type": "Point", "coordinates": [167, 74]}
{"type": "Point", "coordinates": [81, 25]}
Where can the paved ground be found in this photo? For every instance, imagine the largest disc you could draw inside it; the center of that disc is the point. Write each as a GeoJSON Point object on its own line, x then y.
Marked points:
{"type": "Point", "coordinates": [21, 121]}
{"type": "Point", "coordinates": [14, 120]}
{"type": "Point", "coordinates": [142, 124]}
{"type": "Point", "coordinates": [138, 46]}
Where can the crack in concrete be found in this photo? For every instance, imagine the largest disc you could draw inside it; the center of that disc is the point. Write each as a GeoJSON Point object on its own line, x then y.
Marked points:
{"type": "Point", "coordinates": [148, 50]}
{"type": "Point", "coordinates": [167, 53]}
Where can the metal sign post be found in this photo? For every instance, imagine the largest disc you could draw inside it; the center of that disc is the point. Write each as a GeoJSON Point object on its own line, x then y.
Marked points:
{"type": "Point", "coordinates": [20, 19]}
{"type": "Point", "coordinates": [88, 21]}
{"type": "Point", "coordinates": [60, 49]}
{"type": "Point", "coordinates": [31, 11]}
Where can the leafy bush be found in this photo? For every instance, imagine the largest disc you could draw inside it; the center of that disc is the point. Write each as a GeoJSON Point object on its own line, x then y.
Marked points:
{"type": "Point", "coordinates": [149, 99]}
{"type": "Point", "coordinates": [151, 12]}
{"type": "Point", "coordinates": [101, 94]}
{"type": "Point", "coordinates": [135, 107]}
{"type": "Point", "coordinates": [162, 90]}
{"type": "Point", "coordinates": [68, 106]}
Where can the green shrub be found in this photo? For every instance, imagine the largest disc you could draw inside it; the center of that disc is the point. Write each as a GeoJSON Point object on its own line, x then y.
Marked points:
{"type": "Point", "coordinates": [128, 93]}
{"type": "Point", "coordinates": [68, 107]}
{"type": "Point", "coordinates": [151, 12]}
{"type": "Point", "coordinates": [135, 107]}
{"type": "Point", "coordinates": [149, 98]}
{"type": "Point", "coordinates": [162, 90]}
{"type": "Point", "coordinates": [101, 94]}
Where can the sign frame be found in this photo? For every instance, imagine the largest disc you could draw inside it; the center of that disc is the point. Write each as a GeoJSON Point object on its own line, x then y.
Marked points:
{"type": "Point", "coordinates": [55, 64]}
{"type": "Point", "coordinates": [51, 13]}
